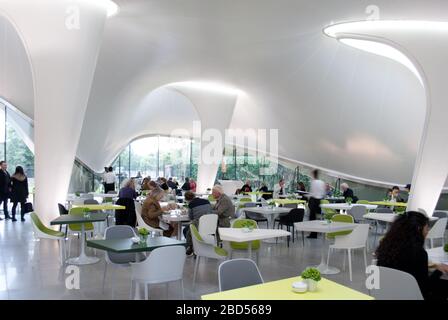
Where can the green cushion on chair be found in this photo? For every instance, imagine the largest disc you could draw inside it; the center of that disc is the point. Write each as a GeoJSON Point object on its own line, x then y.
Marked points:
{"type": "Point", "coordinates": [43, 228]}
{"type": "Point", "coordinates": [77, 226]}
{"type": "Point", "coordinates": [340, 218]}
{"type": "Point", "coordinates": [221, 251]}
{"type": "Point", "coordinates": [195, 233]}
{"type": "Point", "coordinates": [244, 223]}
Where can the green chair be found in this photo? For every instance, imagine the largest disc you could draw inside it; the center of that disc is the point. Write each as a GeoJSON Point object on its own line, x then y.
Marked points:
{"type": "Point", "coordinates": [346, 218]}
{"type": "Point", "coordinates": [76, 228]}
{"type": "Point", "coordinates": [245, 223]}
{"type": "Point", "coordinates": [203, 249]}
{"type": "Point", "coordinates": [243, 201]}
{"type": "Point", "coordinates": [42, 232]}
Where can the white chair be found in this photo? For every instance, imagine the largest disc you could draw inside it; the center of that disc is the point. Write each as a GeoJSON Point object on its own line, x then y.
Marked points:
{"type": "Point", "coordinates": [357, 239]}
{"type": "Point", "coordinates": [203, 249]}
{"type": "Point", "coordinates": [165, 264]}
{"type": "Point", "coordinates": [42, 232]}
{"type": "Point", "coordinates": [437, 231]}
{"type": "Point", "coordinates": [141, 223]}
{"type": "Point", "coordinates": [396, 285]}
{"type": "Point", "coordinates": [114, 259]}
{"type": "Point", "coordinates": [207, 228]}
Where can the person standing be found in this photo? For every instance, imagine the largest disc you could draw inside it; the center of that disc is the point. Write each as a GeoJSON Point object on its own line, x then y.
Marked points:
{"type": "Point", "coordinates": [5, 188]}
{"type": "Point", "coordinates": [317, 193]}
{"type": "Point", "coordinates": [186, 185]}
{"type": "Point", "coordinates": [19, 192]}
{"type": "Point", "coordinates": [192, 185]}
{"type": "Point", "coordinates": [109, 180]}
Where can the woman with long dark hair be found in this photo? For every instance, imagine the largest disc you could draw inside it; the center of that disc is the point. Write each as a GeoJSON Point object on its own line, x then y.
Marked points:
{"type": "Point", "coordinates": [402, 248]}
{"type": "Point", "coordinates": [19, 192]}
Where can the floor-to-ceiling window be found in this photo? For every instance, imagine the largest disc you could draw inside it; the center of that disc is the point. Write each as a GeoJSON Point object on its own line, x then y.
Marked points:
{"type": "Point", "coordinates": [12, 146]}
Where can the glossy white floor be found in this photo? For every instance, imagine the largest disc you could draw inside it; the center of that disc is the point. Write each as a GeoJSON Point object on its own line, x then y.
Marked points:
{"type": "Point", "coordinates": [26, 273]}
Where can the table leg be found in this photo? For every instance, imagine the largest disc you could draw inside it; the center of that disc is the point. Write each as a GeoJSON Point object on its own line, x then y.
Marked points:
{"type": "Point", "coordinates": [83, 258]}
{"type": "Point", "coordinates": [249, 249]}
{"type": "Point", "coordinates": [323, 267]}
{"type": "Point", "coordinates": [136, 284]}
{"type": "Point", "coordinates": [271, 219]}
{"type": "Point", "coordinates": [179, 230]}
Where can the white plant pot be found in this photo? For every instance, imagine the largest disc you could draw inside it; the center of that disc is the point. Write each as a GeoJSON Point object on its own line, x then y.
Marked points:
{"type": "Point", "coordinates": [312, 285]}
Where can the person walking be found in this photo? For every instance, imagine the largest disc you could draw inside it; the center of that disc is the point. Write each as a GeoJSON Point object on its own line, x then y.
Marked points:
{"type": "Point", "coordinates": [5, 188]}
{"type": "Point", "coordinates": [317, 193]}
{"type": "Point", "coordinates": [19, 192]}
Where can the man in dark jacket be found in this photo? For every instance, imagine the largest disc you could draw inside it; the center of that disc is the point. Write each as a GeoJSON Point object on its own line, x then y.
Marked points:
{"type": "Point", "coordinates": [197, 207]}
{"type": "Point", "coordinates": [5, 188]}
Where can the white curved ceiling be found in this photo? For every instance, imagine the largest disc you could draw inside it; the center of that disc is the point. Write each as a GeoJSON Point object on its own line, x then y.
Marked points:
{"type": "Point", "coordinates": [335, 107]}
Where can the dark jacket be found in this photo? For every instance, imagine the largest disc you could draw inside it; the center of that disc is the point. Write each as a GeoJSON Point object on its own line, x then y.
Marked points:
{"type": "Point", "coordinates": [246, 188]}
{"type": "Point", "coordinates": [186, 186]}
{"type": "Point", "coordinates": [5, 183]}
{"type": "Point", "coordinates": [349, 194]}
{"type": "Point", "coordinates": [19, 189]}
{"type": "Point", "coordinates": [197, 208]}
{"type": "Point", "coordinates": [127, 192]}
{"type": "Point", "coordinates": [127, 216]}
{"type": "Point", "coordinates": [416, 264]}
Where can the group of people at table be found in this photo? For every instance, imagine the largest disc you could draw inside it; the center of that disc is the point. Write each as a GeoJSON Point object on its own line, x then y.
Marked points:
{"type": "Point", "coordinates": [401, 248]}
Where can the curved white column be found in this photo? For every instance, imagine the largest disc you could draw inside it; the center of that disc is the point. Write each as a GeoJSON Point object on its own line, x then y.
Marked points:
{"type": "Point", "coordinates": [425, 45]}
{"type": "Point", "coordinates": [62, 39]}
{"type": "Point", "coordinates": [215, 110]}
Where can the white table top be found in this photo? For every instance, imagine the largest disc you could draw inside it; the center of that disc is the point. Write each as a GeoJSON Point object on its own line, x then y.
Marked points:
{"type": "Point", "coordinates": [238, 234]}
{"type": "Point", "coordinates": [346, 206]}
{"type": "Point", "coordinates": [105, 195]}
{"type": "Point", "coordinates": [386, 217]}
{"type": "Point", "coordinates": [267, 210]}
{"type": "Point", "coordinates": [170, 217]}
{"type": "Point", "coordinates": [323, 227]}
{"type": "Point", "coordinates": [437, 255]}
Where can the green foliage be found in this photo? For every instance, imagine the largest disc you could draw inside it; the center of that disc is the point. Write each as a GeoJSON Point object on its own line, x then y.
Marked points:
{"type": "Point", "coordinates": [349, 200]}
{"type": "Point", "coordinates": [445, 248]}
{"type": "Point", "coordinates": [311, 273]}
{"type": "Point", "coordinates": [143, 231]}
{"type": "Point", "coordinates": [18, 153]}
{"type": "Point", "coordinates": [329, 215]}
{"type": "Point", "coordinates": [247, 224]}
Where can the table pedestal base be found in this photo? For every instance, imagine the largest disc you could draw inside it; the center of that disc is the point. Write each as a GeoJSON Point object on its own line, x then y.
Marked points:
{"type": "Point", "coordinates": [326, 269]}
{"type": "Point", "coordinates": [82, 260]}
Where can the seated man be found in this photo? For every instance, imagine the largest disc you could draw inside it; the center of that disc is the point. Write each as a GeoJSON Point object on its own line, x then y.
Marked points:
{"type": "Point", "coordinates": [224, 207]}
{"type": "Point", "coordinates": [197, 207]}
{"type": "Point", "coordinates": [348, 193]}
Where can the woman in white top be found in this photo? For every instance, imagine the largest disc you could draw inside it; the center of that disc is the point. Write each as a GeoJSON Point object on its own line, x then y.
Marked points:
{"type": "Point", "coordinates": [317, 193]}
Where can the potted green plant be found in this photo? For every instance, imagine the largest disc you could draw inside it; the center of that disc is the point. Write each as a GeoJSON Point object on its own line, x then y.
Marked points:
{"type": "Point", "coordinates": [328, 216]}
{"type": "Point", "coordinates": [349, 200]}
{"type": "Point", "coordinates": [271, 204]}
{"type": "Point", "coordinates": [86, 213]}
{"type": "Point", "coordinates": [311, 276]}
{"type": "Point", "coordinates": [143, 233]}
{"type": "Point", "coordinates": [445, 247]}
{"type": "Point", "coordinates": [247, 226]}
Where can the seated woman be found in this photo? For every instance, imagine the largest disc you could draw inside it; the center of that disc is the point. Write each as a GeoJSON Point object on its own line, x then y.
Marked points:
{"type": "Point", "coordinates": [402, 248]}
{"type": "Point", "coordinates": [128, 190]}
{"type": "Point", "coordinates": [152, 212]}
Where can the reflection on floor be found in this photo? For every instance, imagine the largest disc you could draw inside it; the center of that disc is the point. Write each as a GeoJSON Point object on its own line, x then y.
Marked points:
{"type": "Point", "coordinates": [26, 273]}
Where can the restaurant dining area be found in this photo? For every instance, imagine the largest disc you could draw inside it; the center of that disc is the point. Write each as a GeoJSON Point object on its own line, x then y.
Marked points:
{"type": "Point", "coordinates": [223, 153]}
